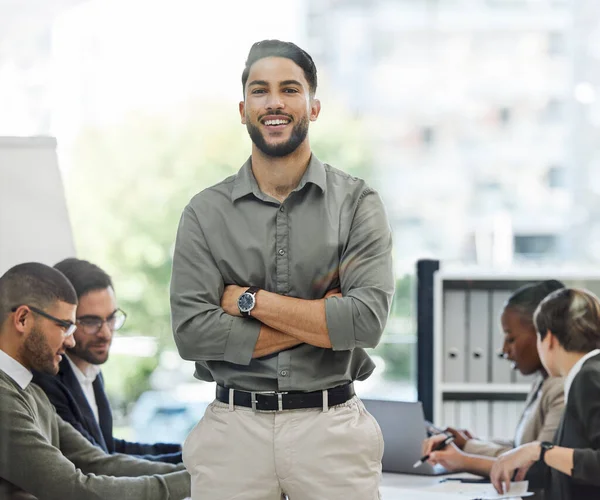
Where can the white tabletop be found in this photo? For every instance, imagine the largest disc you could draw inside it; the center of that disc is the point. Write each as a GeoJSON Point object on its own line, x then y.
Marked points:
{"type": "Point", "coordinates": [391, 484]}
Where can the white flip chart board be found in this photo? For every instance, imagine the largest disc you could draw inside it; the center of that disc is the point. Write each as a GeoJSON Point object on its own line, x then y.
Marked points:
{"type": "Point", "coordinates": [34, 222]}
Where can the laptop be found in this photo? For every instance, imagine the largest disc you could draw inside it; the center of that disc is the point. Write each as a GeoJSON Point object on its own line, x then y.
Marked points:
{"type": "Point", "coordinates": [404, 429]}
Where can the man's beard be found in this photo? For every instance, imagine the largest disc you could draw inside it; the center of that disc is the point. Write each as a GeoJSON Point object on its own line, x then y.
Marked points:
{"type": "Point", "coordinates": [299, 133]}
{"type": "Point", "coordinates": [38, 353]}
{"type": "Point", "coordinates": [84, 352]}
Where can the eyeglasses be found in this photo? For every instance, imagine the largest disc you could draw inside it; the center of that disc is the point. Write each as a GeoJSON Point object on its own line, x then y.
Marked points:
{"type": "Point", "coordinates": [68, 327]}
{"type": "Point", "coordinates": [91, 325]}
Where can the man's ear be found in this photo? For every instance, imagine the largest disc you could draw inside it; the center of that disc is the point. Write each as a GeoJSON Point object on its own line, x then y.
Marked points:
{"type": "Point", "coordinates": [242, 106]}
{"type": "Point", "coordinates": [552, 340]}
{"type": "Point", "coordinates": [20, 318]}
{"type": "Point", "coordinates": [315, 109]}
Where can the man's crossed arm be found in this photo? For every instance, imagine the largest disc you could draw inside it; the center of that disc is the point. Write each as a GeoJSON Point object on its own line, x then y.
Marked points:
{"type": "Point", "coordinates": [285, 321]}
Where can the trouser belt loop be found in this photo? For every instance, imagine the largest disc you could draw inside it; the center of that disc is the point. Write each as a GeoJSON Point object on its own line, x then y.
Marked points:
{"type": "Point", "coordinates": [253, 401]}
{"type": "Point", "coordinates": [325, 400]}
{"type": "Point", "coordinates": [231, 406]}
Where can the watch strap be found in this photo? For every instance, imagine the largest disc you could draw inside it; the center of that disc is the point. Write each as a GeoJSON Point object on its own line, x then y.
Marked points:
{"type": "Point", "coordinates": [544, 447]}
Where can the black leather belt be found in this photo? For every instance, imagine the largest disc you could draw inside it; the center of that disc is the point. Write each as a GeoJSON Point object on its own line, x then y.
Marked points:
{"type": "Point", "coordinates": [278, 401]}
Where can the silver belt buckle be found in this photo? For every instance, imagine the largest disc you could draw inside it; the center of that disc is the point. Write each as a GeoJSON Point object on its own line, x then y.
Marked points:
{"type": "Point", "coordinates": [253, 399]}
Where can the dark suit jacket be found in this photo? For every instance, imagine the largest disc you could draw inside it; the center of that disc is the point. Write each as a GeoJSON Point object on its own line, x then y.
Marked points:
{"type": "Point", "coordinates": [580, 429]}
{"type": "Point", "coordinates": [66, 394]}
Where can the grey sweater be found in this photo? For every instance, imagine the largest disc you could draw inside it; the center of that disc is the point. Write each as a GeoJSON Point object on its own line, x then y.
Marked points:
{"type": "Point", "coordinates": [43, 457]}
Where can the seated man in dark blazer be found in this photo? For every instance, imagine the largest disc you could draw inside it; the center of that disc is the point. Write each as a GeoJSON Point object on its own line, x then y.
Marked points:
{"type": "Point", "coordinates": [77, 392]}
{"type": "Point", "coordinates": [568, 326]}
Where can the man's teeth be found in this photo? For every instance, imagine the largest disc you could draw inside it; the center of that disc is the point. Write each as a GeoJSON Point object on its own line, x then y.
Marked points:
{"type": "Point", "coordinates": [276, 122]}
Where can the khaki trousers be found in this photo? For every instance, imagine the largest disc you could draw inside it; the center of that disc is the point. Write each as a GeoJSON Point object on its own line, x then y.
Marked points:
{"type": "Point", "coordinates": [238, 454]}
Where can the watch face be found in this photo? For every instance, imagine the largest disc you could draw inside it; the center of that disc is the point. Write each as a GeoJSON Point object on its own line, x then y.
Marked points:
{"type": "Point", "coordinates": [246, 302]}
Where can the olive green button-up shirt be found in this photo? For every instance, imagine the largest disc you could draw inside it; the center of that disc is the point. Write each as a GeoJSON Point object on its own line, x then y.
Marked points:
{"type": "Point", "coordinates": [331, 231]}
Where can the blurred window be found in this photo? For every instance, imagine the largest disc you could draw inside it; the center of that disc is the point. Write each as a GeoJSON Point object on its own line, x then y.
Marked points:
{"type": "Point", "coordinates": [536, 246]}
{"type": "Point", "coordinates": [556, 177]}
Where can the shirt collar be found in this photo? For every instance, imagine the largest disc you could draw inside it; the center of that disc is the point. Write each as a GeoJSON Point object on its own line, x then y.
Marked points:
{"type": "Point", "coordinates": [15, 370]}
{"type": "Point", "coordinates": [245, 182]}
{"type": "Point", "coordinates": [575, 370]}
{"type": "Point", "coordinates": [86, 377]}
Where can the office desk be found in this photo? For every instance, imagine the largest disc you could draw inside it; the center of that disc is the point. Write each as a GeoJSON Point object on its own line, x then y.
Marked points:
{"type": "Point", "coordinates": [391, 483]}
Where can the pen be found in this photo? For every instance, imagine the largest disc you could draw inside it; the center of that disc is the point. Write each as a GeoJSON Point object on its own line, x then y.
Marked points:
{"type": "Point", "coordinates": [440, 446]}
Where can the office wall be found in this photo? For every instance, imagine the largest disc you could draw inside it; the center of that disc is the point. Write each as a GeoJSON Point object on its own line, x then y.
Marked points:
{"type": "Point", "coordinates": [34, 223]}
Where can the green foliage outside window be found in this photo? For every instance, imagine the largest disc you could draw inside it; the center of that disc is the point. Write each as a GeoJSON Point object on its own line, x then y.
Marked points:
{"type": "Point", "coordinates": [128, 184]}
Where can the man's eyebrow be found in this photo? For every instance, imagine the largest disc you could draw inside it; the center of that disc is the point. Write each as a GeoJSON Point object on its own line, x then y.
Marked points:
{"type": "Point", "coordinates": [290, 82]}
{"type": "Point", "coordinates": [258, 82]}
{"type": "Point", "coordinates": [90, 316]}
{"type": "Point", "coordinates": [281, 84]}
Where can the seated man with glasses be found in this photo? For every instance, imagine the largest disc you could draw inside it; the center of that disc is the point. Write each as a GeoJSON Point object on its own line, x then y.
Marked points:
{"type": "Point", "coordinates": [77, 391]}
{"type": "Point", "coordinates": [41, 456]}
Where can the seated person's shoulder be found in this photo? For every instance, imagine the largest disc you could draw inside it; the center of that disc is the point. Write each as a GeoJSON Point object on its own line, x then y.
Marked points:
{"type": "Point", "coordinates": [13, 399]}
{"type": "Point", "coordinates": [45, 381]}
{"type": "Point", "coordinates": [39, 394]}
{"type": "Point", "coordinates": [585, 387]}
{"type": "Point", "coordinates": [553, 388]}
{"type": "Point", "coordinates": [7, 392]}
{"type": "Point", "coordinates": [590, 371]}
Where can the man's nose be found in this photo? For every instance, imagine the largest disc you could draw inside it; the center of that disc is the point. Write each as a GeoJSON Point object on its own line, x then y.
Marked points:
{"type": "Point", "coordinates": [274, 101]}
{"type": "Point", "coordinates": [69, 342]}
{"type": "Point", "coordinates": [105, 332]}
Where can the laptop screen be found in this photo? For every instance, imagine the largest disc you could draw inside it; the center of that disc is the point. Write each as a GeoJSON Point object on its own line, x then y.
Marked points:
{"type": "Point", "coordinates": [403, 427]}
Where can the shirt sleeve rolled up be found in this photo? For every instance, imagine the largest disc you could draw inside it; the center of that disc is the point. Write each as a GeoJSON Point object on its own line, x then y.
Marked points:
{"type": "Point", "coordinates": [358, 318]}
{"type": "Point", "coordinates": [202, 329]}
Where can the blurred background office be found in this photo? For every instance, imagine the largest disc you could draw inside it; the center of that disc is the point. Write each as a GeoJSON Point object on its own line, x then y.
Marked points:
{"type": "Point", "coordinates": [477, 120]}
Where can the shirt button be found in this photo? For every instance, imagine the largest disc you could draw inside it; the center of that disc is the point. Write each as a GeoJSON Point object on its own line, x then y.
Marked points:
{"type": "Point", "coordinates": [281, 251]}
{"type": "Point", "coordinates": [281, 208]}
{"type": "Point", "coordinates": [283, 373]}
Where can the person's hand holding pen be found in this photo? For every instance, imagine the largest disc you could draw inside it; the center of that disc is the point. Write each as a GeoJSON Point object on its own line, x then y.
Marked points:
{"type": "Point", "coordinates": [438, 445]}
{"type": "Point", "coordinates": [448, 455]}
{"type": "Point", "coordinates": [461, 436]}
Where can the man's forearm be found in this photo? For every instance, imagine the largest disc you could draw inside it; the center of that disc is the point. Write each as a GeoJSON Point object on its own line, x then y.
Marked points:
{"type": "Point", "coordinates": [299, 318]}
{"type": "Point", "coordinates": [271, 341]}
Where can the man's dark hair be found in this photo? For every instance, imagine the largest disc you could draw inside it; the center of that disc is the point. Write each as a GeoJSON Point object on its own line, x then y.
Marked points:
{"type": "Point", "coordinates": [573, 317]}
{"type": "Point", "coordinates": [84, 276]}
{"type": "Point", "coordinates": [526, 299]}
{"type": "Point", "coordinates": [289, 50]}
{"type": "Point", "coordinates": [33, 284]}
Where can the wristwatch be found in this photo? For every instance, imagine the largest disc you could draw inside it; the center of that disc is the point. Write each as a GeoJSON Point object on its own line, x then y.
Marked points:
{"type": "Point", "coordinates": [247, 301]}
{"type": "Point", "coordinates": [545, 446]}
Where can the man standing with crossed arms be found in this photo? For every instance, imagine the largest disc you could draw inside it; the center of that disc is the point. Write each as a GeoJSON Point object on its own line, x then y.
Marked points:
{"type": "Point", "coordinates": [282, 275]}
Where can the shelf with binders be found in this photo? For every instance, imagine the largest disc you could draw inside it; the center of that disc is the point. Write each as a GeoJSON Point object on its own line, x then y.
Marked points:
{"type": "Point", "coordinates": [473, 386]}
{"type": "Point", "coordinates": [461, 375]}
{"type": "Point", "coordinates": [485, 388]}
